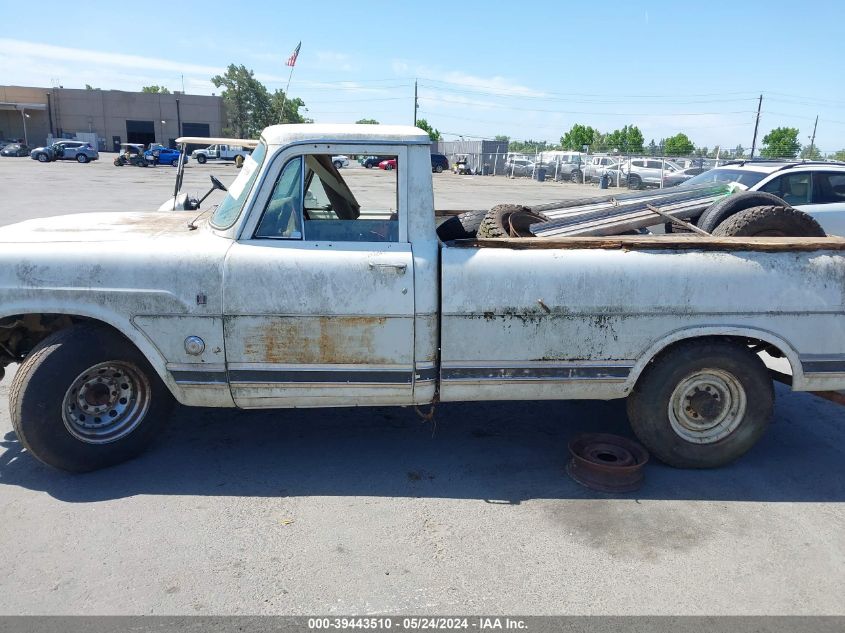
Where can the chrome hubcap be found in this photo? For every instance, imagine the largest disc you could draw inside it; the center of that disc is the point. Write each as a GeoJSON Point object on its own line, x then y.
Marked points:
{"type": "Point", "coordinates": [106, 402]}
{"type": "Point", "coordinates": [707, 406]}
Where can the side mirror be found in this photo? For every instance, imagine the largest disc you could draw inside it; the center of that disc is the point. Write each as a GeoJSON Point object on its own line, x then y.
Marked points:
{"type": "Point", "coordinates": [216, 184]}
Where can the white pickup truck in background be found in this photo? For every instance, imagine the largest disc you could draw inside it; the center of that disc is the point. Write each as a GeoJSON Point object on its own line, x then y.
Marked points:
{"type": "Point", "coordinates": [302, 289]}
{"type": "Point", "coordinates": [221, 151]}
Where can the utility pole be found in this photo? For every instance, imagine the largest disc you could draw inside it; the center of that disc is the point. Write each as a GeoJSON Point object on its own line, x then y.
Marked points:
{"type": "Point", "coordinates": [813, 138]}
{"type": "Point", "coordinates": [416, 103]}
{"type": "Point", "coordinates": [756, 125]}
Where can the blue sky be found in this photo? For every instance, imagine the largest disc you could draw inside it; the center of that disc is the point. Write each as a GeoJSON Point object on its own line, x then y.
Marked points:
{"type": "Point", "coordinates": [528, 70]}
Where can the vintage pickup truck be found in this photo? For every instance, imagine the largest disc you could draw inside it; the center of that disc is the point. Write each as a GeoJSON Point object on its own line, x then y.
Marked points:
{"type": "Point", "coordinates": [305, 288]}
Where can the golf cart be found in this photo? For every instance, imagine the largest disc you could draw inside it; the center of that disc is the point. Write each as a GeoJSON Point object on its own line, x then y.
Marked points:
{"type": "Point", "coordinates": [133, 154]}
{"type": "Point", "coordinates": [461, 165]}
{"type": "Point", "coordinates": [182, 201]}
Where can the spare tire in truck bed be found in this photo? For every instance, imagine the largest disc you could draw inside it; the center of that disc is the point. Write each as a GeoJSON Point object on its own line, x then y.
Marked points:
{"type": "Point", "coordinates": [461, 226]}
{"type": "Point", "coordinates": [497, 222]}
{"type": "Point", "coordinates": [722, 209]}
{"type": "Point", "coordinates": [770, 221]}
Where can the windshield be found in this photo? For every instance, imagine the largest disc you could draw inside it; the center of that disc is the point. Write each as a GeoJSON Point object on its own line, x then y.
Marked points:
{"type": "Point", "coordinates": [742, 176]}
{"type": "Point", "coordinates": [233, 203]}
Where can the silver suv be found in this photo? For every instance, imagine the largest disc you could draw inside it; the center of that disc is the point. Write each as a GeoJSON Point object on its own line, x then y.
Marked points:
{"type": "Point", "coordinates": [647, 171]}
{"type": "Point", "coordinates": [815, 187]}
{"type": "Point", "coordinates": [80, 151]}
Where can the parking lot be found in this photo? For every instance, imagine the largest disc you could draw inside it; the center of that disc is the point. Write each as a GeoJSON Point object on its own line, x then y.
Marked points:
{"type": "Point", "coordinates": [375, 511]}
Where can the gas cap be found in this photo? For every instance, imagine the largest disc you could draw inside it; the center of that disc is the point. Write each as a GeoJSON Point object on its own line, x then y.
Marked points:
{"type": "Point", "coordinates": [194, 345]}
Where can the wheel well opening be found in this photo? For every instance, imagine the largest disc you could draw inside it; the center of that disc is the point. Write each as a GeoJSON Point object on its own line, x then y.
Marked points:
{"type": "Point", "coordinates": [754, 345]}
{"type": "Point", "coordinates": [20, 333]}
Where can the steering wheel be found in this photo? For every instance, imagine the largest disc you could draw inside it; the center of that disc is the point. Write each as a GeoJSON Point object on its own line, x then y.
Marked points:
{"type": "Point", "coordinates": [216, 184]}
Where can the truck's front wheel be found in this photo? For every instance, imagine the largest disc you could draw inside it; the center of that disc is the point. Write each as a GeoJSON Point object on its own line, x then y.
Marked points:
{"type": "Point", "coordinates": [702, 404]}
{"type": "Point", "coordinates": [201, 159]}
{"type": "Point", "coordinates": [85, 398]}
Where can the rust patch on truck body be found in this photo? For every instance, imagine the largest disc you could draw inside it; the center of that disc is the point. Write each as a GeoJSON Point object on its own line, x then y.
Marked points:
{"type": "Point", "coordinates": [315, 340]}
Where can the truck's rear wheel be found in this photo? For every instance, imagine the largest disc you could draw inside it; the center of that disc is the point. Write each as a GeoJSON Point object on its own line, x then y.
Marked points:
{"type": "Point", "coordinates": [85, 398]}
{"type": "Point", "coordinates": [201, 159]}
{"type": "Point", "coordinates": [702, 404]}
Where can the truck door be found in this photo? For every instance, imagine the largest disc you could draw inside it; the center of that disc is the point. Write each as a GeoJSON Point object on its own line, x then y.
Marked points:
{"type": "Point", "coordinates": [318, 291]}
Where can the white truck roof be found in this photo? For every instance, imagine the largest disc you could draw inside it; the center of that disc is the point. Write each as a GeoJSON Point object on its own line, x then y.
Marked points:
{"type": "Point", "coordinates": [205, 140]}
{"type": "Point", "coordinates": [337, 132]}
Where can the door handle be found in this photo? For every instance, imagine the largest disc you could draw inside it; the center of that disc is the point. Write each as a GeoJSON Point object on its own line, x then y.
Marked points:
{"type": "Point", "coordinates": [399, 268]}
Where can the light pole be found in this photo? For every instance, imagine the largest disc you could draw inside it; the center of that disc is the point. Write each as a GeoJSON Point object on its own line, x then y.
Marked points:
{"type": "Point", "coordinates": [24, 117]}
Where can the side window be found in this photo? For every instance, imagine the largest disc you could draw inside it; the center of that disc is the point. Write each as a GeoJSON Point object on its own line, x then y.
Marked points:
{"type": "Point", "coordinates": [281, 218]}
{"type": "Point", "coordinates": [793, 188]}
{"type": "Point", "coordinates": [828, 187]}
{"type": "Point", "coordinates": [363, 208]}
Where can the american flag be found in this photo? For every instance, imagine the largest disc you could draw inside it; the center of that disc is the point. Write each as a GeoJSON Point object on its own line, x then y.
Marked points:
{"type": "Point", "coordinates": [292, 59]}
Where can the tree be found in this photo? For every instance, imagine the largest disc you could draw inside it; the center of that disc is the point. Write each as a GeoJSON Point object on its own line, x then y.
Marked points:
{"type": "Point", "coordinates": [433, 133]}
{"type": "Point", "coordinates": [628, 140]}
{"type": "Point", "coordinates": [246, 100]}
{"type": "Point", "coordinates": [291, 113]}
{"type": "Point", "coordinates": [367, 121]}
{"type": "Point", "coordinates": [501, 138]}
{"type": "Point", "coordinates": [678, 145]}
{"type": "Point", "coordinates": [652, 148]}
{"type": "Point", "coordinates": [811, 152]}
{"type": "Point", "coordinates": [90, 87]}
{"type": "Point", "coordinates": [782, 142]}
{"type": "Point", "coordinates": [739, 152]}
{"type": "Point", "coordinates": [840, 155]}
{"type": "Point", "coordinates": [578, 136]}
{"type": "Point", "coordinates": [156, 90]}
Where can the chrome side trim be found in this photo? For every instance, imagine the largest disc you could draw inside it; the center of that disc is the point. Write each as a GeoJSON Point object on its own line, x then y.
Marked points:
{"type": "Point", "coordinates": [823, 363]}
{"type": "Point", "coordinates": [538, 371]}
{"type": "Point", "coordinates": [334, 377]}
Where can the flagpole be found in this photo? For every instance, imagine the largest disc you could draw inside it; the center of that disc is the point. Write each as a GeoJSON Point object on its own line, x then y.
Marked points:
{"type": "Point", "coordinates": [292, 64]}
{"type": "Point", "coordinates": [285, 96]}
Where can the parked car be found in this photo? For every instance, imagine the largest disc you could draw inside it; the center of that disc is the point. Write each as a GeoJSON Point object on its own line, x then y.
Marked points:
{"type": "Point", "coordinates": [373, 161]}
{"type": "Point", "coordinates": [519, 167]}
{"type": "Point", "coordinates": [439, 163]}
{"type": "Point", "coordinates": [161, 155]}
{"type": "Point", "coordinates": [563, 165]}
{"type": "Point", "coordinates": [388, 164]}
{"type": "Point", "coordinates": [815, 187]}
{"type": "Point", "coordinates": [15, 149]}
{"type": "Point", "coordinates": [340, 161]}
{"type": "Point", "coordinates": [640, 172]}
{"type": "Point", "coordinates": [80, 151]}
{"type": "Point", "coordinates": [595, 168]}
{"type": "Point", "coordinates": [221, 151]}
{"type": "Point", "coordinates": [674, 178]}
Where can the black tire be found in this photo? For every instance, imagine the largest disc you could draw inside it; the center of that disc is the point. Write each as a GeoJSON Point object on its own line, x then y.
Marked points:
{"type": "Point", "coordinates": [634, 181]}
{"type": "Point", "coordinates": [368, 165]}
{"type": "Point", "coordinates": [388, 167]}
{"type": "Point", "coordinates": [201, 159]}
{"type": "Point", "coordinates": [770, 222]}
{"type": "Point", "coordinates": [42, 383]}
{"type": "Point", "coordinates": [43, 158]}
{"type": "Point", "coordinates": [576, 176]}
{"type": "Point", "coordinates": [438, 169]}
{"type": "Point", "coordinates": [462, 226]}
{"type": "Point", "coordinates": [722, 209]}
{"type": "Point", "coordinates": [81, 158]}
{"type": "Point", "coordinates": [495, 222]}
{"type": "Point", "coordinates": [117, 162]}
{"type": "Point", "coordinates": [174, 162]}
{"type": "Point", "coordinates": [650, 404]}
{"type": "Point", "coordinates": [337, 164]}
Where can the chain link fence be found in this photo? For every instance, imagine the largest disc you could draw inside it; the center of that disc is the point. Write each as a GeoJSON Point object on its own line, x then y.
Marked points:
{"type": "Point", "coordinates": [635, 171]}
